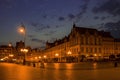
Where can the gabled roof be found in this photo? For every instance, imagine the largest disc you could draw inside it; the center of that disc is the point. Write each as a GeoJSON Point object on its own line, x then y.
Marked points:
{"type": "Point", "coordinates": [80, 30]}
{"type": "Point", "coordinates": [83, 30]}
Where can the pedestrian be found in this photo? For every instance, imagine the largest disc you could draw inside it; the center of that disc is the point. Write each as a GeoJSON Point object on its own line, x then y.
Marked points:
{"type": "Point", "coordinates": [115, 64]}
{"type": "Point", "coordinates": [33, 64]}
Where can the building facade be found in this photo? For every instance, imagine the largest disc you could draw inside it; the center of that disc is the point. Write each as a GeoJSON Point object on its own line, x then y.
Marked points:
{"type": "Point", "coordinates": [81, 43]}
{"type": "Point", "coordinates": [6, 51]}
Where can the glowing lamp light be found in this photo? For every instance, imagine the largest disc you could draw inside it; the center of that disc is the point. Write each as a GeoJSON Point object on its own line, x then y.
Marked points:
{"type": "Point", "coordinates": [45, 56]}
{"type": "Point", "coordinates": [24, 50]}
{"type": "Point", "coordinates": [95, 54]}
{"type": "Point", "coordinates": [39, 57]}
{"type": "Point", "coordinates": [56, 54]}
{"type": "Point", "coordinates": [9, 45]}
{"type": "Point", "coordinates": [36, 57]}
{"type": "Point", "coordinates": [69, 52]}
{"type": "Point", "coordinates": [11, 55]}
{"type": "Point", "coordinates": [21, 30]}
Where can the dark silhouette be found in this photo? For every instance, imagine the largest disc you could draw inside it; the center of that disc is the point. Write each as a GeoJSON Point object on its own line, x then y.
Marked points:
{"type": "Point", "coordinates": [33, 64]}
{"type": "Point", "coordinates": [115, 64]}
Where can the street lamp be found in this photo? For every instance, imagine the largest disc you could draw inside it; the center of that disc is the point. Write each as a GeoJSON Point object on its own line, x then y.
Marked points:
{"type": "Point", "coordinates": [69, 56]}
{"type": "Point", "coordinates": [40, 58]}
{"type": "Point", "coordinates": [57, 57]}
{"type": "Point", "coordinates": [22, 30]}
{"type": "Point", "coordinates": [24, 51]}
{"type": "Point", "coordinates": [69, 53]}
{"type": "Point", "coordinates": [45, 58]}
{"type": "Point", "coordinates": [56, 54]}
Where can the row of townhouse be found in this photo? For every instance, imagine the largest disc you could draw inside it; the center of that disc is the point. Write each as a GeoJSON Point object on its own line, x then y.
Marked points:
{"type": "Point", "coordinates": [81, 43]}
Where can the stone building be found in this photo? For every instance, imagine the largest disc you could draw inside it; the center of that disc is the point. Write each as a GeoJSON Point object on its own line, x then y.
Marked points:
{"type": "Point", "coordinates": [82, 43]}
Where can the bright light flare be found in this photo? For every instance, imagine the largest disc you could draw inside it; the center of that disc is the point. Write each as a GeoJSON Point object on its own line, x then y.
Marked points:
{"type": "Point", "coordinates": [21, 30]}
{"type": "Point", "coordinates": [56, 54]}
{"type": "Point", "coordinates": [24, 50]}
{"type": "Point", "coordinates": [45, 56]}
{"type": "Point", "coordinates": [39, 57]}
{"type": "Point", "coordinates": [69, 52]}
{"type": "Point", "coordinates": [11, 55]}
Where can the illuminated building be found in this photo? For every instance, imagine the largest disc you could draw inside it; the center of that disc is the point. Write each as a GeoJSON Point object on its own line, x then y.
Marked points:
{"type": "Point", "coordinates": [5, 51]}
{"type": "Point", "coordinates": [82, 43]}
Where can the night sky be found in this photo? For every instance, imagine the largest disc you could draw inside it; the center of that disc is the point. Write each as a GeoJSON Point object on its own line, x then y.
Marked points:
{"type": "Point", "coordinates": [48, 20]}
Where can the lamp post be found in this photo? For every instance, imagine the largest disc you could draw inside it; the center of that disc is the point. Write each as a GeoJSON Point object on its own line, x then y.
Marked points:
{"type": "Point", "coordinates": [57, 57]}
{"type": "Point", "coordinates": [45, 58]}
{"type": "Point", "coordinates": [22, 30]}
{"type": "Point", "coordinates": [24, 51]}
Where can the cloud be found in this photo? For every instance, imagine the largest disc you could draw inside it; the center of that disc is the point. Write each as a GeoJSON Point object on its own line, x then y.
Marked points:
{"type": "Point", "coordinates": [110, 26]}
{"type": "Point", "coordinates": [38, 40]}
{"type": "Point", "coordinates": [113, 26]}
{"type": "Point", "coordinates": [49, 33]}
{"type": "Point", "coordinates": [39, 27]}
{"type": "Point", "coordinates": [83, 10]}
{"type": "Point", "coordinates": [44, 27]}
{"type": "Point", "coordinates": [96, 17]}
{"type": "Point", "coordinates": [31, 36]}
{"type": "Point", "coordinates": [103, 18]}
{"type": "Point", "coordinates": [111, 6]}
{"type": "Point", "coordinates": [71, 16]}
{"type": "Point", "coordinates": [35, 24]}
{"type": "Point", "coordinates": [7, 3]}
{"type": "Point", "coordinates": [57, 26]}
{"type": "Point", "coordinates": [44, 16]}
{"type": "Point", "coordinates": [52, 39]}
{"type": "Point", "coordinates": [61, 18]}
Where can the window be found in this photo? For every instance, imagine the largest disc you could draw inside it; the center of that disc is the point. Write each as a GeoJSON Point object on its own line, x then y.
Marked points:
{"type": "Point", "coordinates": [95, 50]}
{"type": "Point", "coordinates": [86, 40]}
{"type": "Point", "coordinates": [82, 49]}
{"type": "Point", "coordinates": [91, 50]}
{"type": "Point", "coordinates": [99, 49]}
{"type": "Point", "coordinates": [95, 41]}
{"type": "Point", "coordinates": [82, 40]}
{"type": "Point", "coordinates": [86, 49]}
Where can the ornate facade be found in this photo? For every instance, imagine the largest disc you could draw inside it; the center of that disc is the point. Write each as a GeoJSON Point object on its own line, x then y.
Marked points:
{"type": "Point", "coordinates": [82, 42]}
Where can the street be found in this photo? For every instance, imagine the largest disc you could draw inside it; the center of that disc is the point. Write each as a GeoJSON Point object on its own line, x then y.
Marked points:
{"type": "Point", "coordinates": [56, 71]}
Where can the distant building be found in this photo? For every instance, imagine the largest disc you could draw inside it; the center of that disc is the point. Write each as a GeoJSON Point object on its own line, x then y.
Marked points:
{"type": "Point", "coordinates": [81, 42]}
{"type": "Point", "coordinates": [20, 45]}
{"type": "Point", "coordinates": [6, 51]}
